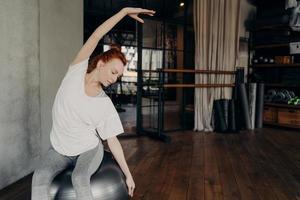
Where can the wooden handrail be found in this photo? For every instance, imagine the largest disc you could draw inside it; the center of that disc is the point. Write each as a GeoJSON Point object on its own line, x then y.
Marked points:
{"type": "Point", "coordinates": [191, 71]}
{"type": "Point", "coordinates": [197, 85]}
{"type": "Point", "coordinates": [197, 71]}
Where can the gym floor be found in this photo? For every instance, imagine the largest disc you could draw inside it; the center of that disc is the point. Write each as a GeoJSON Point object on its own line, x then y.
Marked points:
{"type": "Point", "coordinates": [251, 165]}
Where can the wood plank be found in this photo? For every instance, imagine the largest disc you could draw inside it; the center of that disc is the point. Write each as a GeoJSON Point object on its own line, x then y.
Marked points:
{"type": "Point", "coordinates": [230, 188]}
{"type": "Point", "coordinates": [212, 182]}
{"type": "Point", "coordinates": [196, 181]}
{"type": "Point", "coordinates": [181, 178]}
{"type": "Point", "coordinates": [260, 164]}
{"type": "Point", "coordinates": [283, 167]}
{"type": "Point", "coordinates": [259, 181]}
{"type": "Point", "coordinates": [245, 185]}
{"type": "Point", "coordinates": [270, 174]}
{"type": "Point", "coordinates": [172, 169]}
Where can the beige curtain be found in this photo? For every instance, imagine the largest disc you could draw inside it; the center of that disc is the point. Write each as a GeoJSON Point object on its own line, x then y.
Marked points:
{"type": "Point", "coordinates": [216, 25]}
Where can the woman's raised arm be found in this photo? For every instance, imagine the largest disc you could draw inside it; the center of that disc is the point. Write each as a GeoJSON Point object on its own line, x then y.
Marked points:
{"type": "Point", "coordinates": [96, 36]}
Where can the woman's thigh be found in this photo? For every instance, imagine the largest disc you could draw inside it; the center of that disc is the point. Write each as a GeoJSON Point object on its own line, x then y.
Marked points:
{"type": "Point", "coordinates": [49, 166]}
{"type": "Point", "coordinates": [88, 162]}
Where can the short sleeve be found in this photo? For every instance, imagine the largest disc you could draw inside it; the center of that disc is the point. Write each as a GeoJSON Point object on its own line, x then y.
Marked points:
{"type": "Point", "coordinates": [79, 66]}
{"type": "Point", "coordinates": [111, 127]}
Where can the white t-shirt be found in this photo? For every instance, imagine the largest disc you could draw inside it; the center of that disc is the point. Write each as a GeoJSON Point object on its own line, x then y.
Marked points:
{"type": "Point", "coordinates": [76, 116]}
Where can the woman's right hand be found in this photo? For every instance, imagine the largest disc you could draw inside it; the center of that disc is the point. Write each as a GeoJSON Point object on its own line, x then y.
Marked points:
{"type": "Point", "coordinates": [134, 12]}
{"type": "Point", "coordinates": [130, 185]}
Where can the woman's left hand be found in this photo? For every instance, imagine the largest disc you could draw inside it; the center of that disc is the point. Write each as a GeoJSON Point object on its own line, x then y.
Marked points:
{"type": "Point", "coordinates": [131, 185]}
{"type": "Point", "coordinates": [134, 12]}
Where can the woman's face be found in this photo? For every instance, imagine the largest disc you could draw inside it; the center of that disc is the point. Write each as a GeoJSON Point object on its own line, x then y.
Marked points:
{"type": "Point", "coordinates": [110, 71]}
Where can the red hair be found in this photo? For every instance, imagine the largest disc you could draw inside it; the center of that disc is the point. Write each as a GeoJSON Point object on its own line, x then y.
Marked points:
{"type": "Point", "coordinates": [114, 52]}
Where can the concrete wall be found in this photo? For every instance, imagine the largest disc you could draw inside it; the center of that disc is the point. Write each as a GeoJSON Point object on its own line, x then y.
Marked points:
{"type": "Point", "coordinates": [19, 84]}
{"type": "Point", "coordinates": [38, 40]}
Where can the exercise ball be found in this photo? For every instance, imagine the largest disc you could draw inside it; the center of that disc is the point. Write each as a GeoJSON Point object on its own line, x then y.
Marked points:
{"type": "Point", "coordinates": [107, 183]}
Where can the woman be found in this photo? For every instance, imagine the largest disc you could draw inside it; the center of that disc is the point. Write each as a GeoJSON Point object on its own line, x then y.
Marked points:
{"type": "Point", "coordinates": [81, 113]}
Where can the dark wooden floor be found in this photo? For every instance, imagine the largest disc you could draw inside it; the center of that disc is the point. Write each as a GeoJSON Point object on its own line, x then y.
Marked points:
{"type": "Point", "coordinates": [264, 164]}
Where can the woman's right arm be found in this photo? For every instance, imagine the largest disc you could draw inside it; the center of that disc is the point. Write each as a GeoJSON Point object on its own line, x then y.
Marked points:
{"type": "Point", "coordinates": [96, 36]}
{"type": "Point", "coordinates": [117, 151]}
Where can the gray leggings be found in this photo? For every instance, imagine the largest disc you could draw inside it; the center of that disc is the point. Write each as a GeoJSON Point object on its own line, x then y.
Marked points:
{"type": "Point", "coordinates": [53, 163]}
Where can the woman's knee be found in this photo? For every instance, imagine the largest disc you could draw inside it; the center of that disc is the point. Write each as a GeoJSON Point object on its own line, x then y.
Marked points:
{"type": "Point", "coordinates": [42, 176]}
{"type": "Point", "coordinates": [80, 178]}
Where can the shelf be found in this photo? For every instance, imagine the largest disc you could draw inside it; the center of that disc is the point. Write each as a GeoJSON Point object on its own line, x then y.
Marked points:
{"type": "Point", "coordinates": [296, 65]}
{"type": "Point", "coordinates": [276, 76]}
{"type": "Point", "coordinates": [281, 85]}
{"type": "Point", "coordinates": [282, 105]}
{"type": "Point", "coordinates": [281, 125]}
{"type": "Point", "coordinates": [272, 27]}
{"type": "Point", "coordinates": [271, 46]}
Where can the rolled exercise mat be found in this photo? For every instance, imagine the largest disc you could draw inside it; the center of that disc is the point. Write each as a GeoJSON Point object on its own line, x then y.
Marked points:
{"type": "Point", "coordinates": [225, 103]}
{"type": "Point", "coordinates": [237, 107]}
{"type": "Point", "coordinates": [240, 75]}
{"type": "Point", "coordinates": [245, 114]}
{"type": "Point", "coordinates": [232, 126]}
{"type": "Point", "coordinates": [239, 79]}
{"type": "Point", "coordinates": [219, 116]}
{"type": "Point", "coordinates": [259, 105]}
{"type": "Point", "coordinates": [252, 102]}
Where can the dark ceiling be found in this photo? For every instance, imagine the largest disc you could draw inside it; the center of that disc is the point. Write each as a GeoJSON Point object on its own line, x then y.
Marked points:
{"type": "Point", "coordinates": [169, 10]}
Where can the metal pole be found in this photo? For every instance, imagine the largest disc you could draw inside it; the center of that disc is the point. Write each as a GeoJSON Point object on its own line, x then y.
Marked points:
{"type": "Point", "coordinates": [139, 117]}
